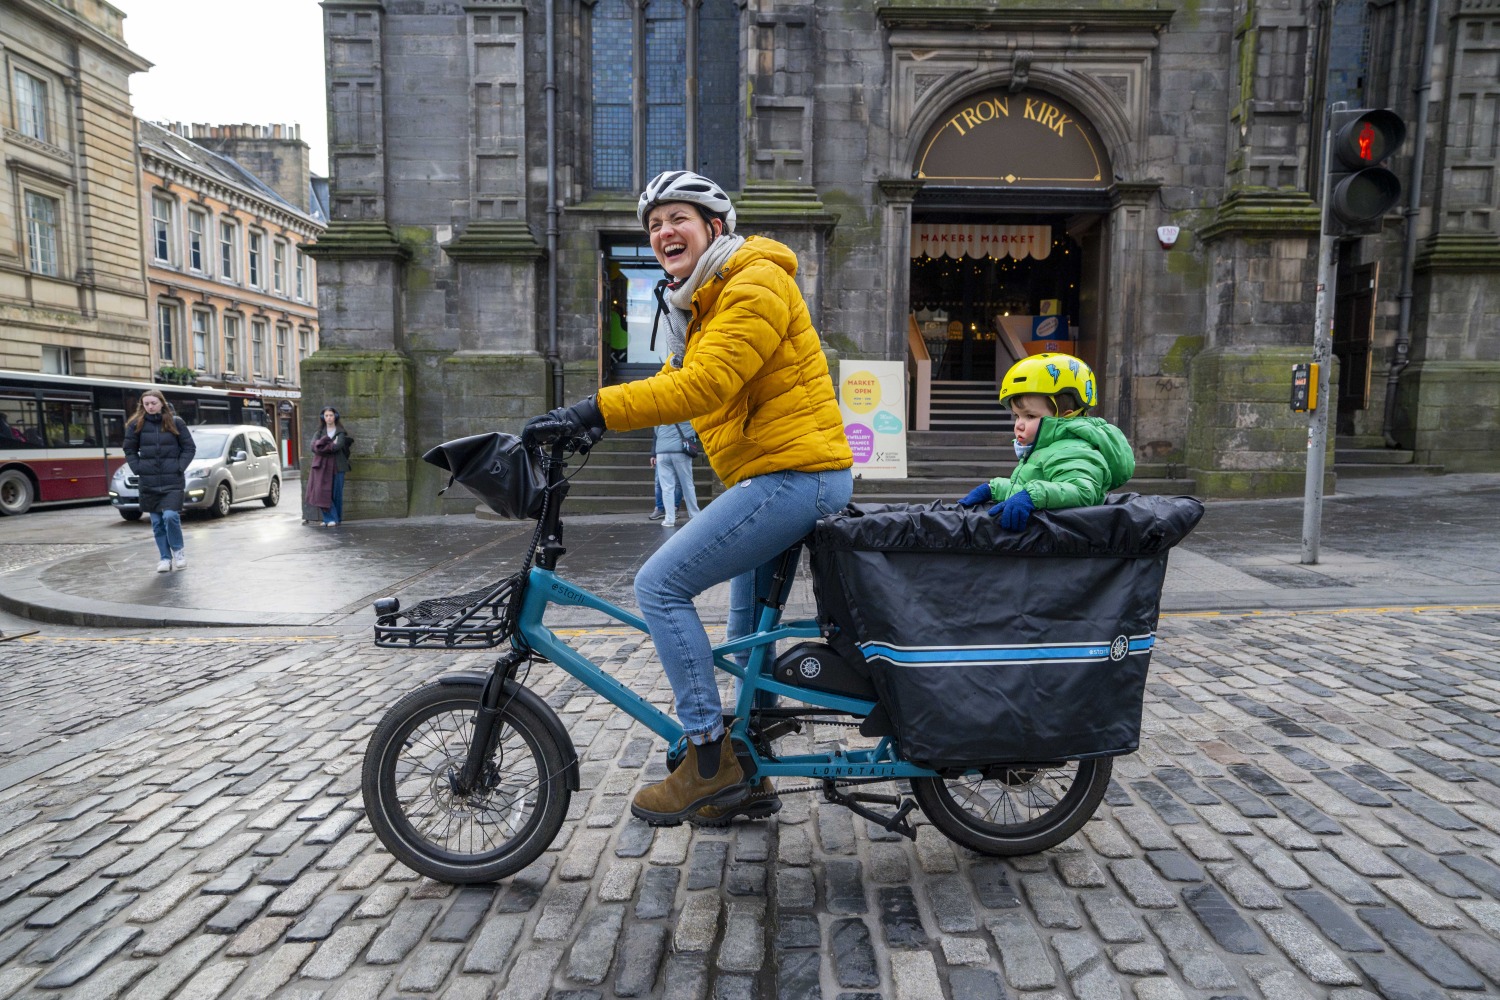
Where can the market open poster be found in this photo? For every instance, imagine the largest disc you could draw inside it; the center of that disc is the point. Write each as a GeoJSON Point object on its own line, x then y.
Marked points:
{"type": "Point", "coordinates": [872, 396]}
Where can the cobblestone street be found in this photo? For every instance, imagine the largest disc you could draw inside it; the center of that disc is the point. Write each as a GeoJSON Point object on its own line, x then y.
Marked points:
{"type": "Point", "coordinates": [1313, 813]}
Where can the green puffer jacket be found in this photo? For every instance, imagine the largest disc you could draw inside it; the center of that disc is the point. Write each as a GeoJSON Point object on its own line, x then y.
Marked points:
{"type": "Point", "coordinates": [1075, 462]}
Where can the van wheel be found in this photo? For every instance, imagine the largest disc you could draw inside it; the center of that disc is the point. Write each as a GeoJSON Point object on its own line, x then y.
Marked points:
{"type": "Point", "coordinates": [273, 498]}
{"type": "Point", "coordinates": [222, 500]}
{"type": "Point", "coordinates": [131, 515]}
{"type": "Point", "coordinates": [16, 492]}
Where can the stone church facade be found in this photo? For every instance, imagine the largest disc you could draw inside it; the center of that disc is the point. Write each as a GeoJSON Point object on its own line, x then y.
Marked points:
{"type": "Point", "coordinates": [484, 263]}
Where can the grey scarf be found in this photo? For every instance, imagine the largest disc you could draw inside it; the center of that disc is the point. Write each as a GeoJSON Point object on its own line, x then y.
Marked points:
{"type": "Point", "coordinates": [679, 312]}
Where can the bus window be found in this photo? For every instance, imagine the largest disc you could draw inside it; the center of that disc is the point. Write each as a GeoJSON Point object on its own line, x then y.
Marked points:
{"type": "Point", "coordinates": [113, 422]}
{"type": "Point", "coordinates": [214, 412]}
{"type": "Point", "coordinates": [70, 423]}
{"type": "Point", "coordinates": [18, 423]}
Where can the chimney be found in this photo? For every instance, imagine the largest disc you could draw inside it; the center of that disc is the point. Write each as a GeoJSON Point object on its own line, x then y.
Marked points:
{"type": "Point", "coordinates": [275, 154]}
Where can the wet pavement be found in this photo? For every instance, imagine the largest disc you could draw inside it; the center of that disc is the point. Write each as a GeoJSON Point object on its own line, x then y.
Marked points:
{"type": "Point", "coordinates": [1314, 811]}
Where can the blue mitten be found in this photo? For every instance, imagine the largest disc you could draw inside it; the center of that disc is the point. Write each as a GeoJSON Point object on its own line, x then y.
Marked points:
{"type": "Point", "coordinates": [1014, 512]}
{"type": "Point", "coordinates": [978, 495]}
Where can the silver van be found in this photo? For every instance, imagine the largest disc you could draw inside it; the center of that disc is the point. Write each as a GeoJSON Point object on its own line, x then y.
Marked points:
{"type": "Point", "coordinates": [234, 463]}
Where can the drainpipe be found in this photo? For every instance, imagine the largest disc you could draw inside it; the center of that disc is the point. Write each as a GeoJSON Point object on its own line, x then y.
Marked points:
{"type": "Point", "coordinates": [554, 360]}
{"type": "Point", "coordinates": [1402, 348]}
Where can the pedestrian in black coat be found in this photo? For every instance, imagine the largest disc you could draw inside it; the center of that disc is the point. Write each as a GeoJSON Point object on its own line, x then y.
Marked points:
{"type": "Point", "coordinates": [159, 448]}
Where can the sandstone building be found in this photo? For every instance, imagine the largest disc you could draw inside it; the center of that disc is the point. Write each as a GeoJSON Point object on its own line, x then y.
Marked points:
{"type": "Point", "coordinates": [963, 166]}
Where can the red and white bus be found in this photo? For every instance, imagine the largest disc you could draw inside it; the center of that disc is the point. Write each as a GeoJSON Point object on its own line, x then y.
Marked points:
{"type": "Point", "coordinates": [62, 437]}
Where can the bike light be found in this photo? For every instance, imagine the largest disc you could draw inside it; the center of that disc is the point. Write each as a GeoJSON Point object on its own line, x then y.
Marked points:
{"type": "Point", "coordinates": [387, 606]}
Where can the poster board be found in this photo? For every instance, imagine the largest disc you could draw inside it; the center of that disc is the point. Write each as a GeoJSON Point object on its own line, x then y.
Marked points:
{"type": "Point", "coordinates": [872, 400]}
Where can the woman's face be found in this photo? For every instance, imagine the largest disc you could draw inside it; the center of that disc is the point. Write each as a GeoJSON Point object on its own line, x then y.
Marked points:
{"type": "Point", "coordinates": [329, 417]}
{"type": "Point", "coordinates": [679, 235]}
{"type": "Point", "coordinates": [151, 403]}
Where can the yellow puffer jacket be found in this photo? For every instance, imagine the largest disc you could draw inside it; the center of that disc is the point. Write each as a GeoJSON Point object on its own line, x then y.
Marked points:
{"type": "Point", "coordinates": [754, 381]}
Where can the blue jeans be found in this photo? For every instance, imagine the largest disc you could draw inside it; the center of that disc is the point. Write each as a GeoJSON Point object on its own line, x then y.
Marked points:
{"type": "Point", "coordinates": [166, 525]}
{"type": "Point", "coordinates": [737, 535]}
{"type": "Point", "coordinates": [335, 512]}
{"type": "Point", "coordinates": [675, 475]}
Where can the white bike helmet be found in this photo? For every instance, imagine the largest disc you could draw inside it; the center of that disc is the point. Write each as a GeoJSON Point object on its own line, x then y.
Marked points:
{"type": "Point", "coordinates": [684, 185]}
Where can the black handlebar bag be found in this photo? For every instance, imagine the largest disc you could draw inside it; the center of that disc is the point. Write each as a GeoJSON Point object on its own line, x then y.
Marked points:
{"type": "Point", "coordinates": [497, 469]}
{"type": "Point", "coordinates": [989, 646]}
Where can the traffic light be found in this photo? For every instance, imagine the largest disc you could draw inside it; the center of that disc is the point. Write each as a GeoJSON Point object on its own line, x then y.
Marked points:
{"type": "Point", "coordinates": [1360, 188]}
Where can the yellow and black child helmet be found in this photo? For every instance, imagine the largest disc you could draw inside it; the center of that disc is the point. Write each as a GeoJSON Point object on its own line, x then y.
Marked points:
{"type": "Point", "coordinates": [1062, 376]}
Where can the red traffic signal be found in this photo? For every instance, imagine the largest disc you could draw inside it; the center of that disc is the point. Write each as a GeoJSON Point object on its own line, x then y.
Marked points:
{"type": "Point", "coordinates": [1360, 188]}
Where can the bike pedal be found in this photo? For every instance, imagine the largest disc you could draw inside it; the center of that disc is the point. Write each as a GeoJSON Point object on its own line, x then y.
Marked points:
{"type": "Point", "coordinates": [776, 730]}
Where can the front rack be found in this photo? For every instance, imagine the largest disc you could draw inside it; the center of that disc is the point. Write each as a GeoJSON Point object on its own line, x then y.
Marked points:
{"type": "Point", "coordinates": [480, 619]}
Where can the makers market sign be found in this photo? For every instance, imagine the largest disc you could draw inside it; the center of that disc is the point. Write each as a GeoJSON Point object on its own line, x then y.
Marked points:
{"type": "Point", "coordinates": [1026, 139]}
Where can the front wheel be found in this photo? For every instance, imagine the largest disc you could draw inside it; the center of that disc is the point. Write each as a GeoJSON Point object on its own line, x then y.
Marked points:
{"type": "Point", "coordinates": [411, 769]}
{"type": "Point", "coordinates": [1009, 809]}
{"type": "Point", "coordinates": [131, 515]}
{"type": "Point", "coordinates": [16, 492]}
{"type": "Point", "coordinates": [222, 501]}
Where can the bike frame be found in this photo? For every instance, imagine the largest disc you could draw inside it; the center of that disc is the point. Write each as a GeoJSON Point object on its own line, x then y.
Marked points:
{"type": "Point", "coordinates": [545, 587]}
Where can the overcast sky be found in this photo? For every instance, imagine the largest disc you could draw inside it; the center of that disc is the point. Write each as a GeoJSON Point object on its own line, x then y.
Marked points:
{"type": "Point", "coordinates": [230, 61]}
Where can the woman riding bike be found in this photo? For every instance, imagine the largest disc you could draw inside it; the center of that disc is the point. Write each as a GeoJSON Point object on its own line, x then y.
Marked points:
{"type": "Point", "coordinates": [746, 367]}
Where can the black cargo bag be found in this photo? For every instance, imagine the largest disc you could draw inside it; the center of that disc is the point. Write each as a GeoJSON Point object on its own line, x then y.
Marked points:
{"type": "Point", "coordinates": [989, 646]}
{"type": "Point", "coordinates": [497, 469]}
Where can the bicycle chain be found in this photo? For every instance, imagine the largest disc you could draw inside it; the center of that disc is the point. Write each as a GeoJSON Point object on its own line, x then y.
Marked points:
{"type": "Point", "coordinates": [799, 789]}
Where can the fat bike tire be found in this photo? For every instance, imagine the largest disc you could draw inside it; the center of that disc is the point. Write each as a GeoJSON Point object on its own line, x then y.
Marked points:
{"type": "Point", "coordinates": [1012, 809]}
{"type": "Point", "coordinates": [411, 762]}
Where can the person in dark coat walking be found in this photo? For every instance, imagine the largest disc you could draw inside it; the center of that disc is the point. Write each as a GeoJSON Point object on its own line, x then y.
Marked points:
{"type": "Point", "coordinates": [159, 449]}
{"type": "Point", "coordinates": [330, 462]}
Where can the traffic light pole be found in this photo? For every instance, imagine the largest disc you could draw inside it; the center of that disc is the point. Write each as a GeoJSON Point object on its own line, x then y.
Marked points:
{"type": "Point", "coordinates": [1317, 418]}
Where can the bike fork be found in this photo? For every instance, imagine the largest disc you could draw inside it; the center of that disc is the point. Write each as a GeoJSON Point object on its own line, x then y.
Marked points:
{"type": "Point", "coordinates": [487, 723]}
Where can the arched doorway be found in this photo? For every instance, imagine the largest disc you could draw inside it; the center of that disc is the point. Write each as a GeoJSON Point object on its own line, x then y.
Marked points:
{"type": "Point", "coordinates": [1007, 232]}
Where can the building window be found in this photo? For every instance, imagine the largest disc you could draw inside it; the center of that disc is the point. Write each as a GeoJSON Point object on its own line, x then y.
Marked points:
{"type": "Point", "coordinates": [31, 106]}
{"type": "Point", "coordinates": [231, 343]}
{"type": "Point", "coordinates": [281, 346]}
{"type": "Point", "coordinates": [229, 242]}
{"type": "Point", "coordinates": [161, 229]}
{"type": "Point", "coordinates": [41, 233]}
{"type": "Point", "coordinates": [57, 360]}
{"type": "Point", "coordinates": [258, 346]}
{"type": "Point", "coordinates": [202, 325]}
{"type": "Point", "coordinates": [301, 275]}
{"type": "Point", "coordinates": [304, 344]}
{"type": "Point", "coordinates": [630, 147]}
{"type": "Point", "coordinates": [197, 226]}
{"type": "Point", "coordinates": [257, 250]}
{"type": "Point", "coordinates": [278, 266]}
{"type": "Point", "coordinates": [166, 332]}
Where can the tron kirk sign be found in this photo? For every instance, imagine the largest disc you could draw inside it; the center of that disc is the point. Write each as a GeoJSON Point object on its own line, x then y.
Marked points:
{"type": "Point", "coordinates": [999, 139]}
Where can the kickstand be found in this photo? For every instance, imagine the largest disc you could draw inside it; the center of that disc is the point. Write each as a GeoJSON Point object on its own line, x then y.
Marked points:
{"type": "Point", "coordinates": [895, 824]}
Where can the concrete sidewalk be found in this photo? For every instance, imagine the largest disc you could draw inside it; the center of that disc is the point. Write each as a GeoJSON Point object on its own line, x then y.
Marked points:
{"type": "Point", "coordinates": [1399, 541]}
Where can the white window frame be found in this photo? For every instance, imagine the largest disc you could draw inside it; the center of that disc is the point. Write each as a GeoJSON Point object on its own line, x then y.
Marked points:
{"type": "Point", "coordinates": [256, 254]}
{"type": "Point", "coordinates": [229, 250]}
{"type": "Point", "coordinates": [57, 360]}
{"type": "Point", "coordinates": [278, 266]}
{"type": "Point", "coordinates": [301, 268]}
{"type": "Point", "coordinates": [283, 344]}
{"type": "Point", "coordinates": [196, 240]}
{"type": "Point", "coordinates": [202, 336]}
{"type": "Point", "coordinates": [231, 327]}
{"type": "Point", "coordinates": [43, 235]}
{"type": "Point", "coordinates": [258, 347]}
{"type": "Point", "coordinates": [31, 92]}
{"type": "Point", "coordinates": [304, 345]}
{"type": "Point", "coordinates": [168, 322]}
{"type": "Point", "coordinates": [163, 246]}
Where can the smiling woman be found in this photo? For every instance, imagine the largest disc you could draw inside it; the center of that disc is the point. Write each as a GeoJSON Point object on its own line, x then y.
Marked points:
{"type": "Point", "coordinates": [177, 87]}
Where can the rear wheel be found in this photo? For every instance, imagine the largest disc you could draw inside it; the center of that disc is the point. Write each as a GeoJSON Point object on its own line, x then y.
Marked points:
{"type": "Point", "coordinates": [504, 824]}
{"type": "Point", "coordinates": [222, 501]}
{"type": "Point", "coordinates": [273, 498]}
{"type": "Point", "coordinates": [1009, 809]}
{"type": "Point", "coordinates": [16, 492]}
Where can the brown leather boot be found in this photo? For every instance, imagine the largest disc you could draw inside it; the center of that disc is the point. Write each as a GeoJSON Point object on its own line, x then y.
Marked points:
{"type": "Point", "coordinates": [764, 803]}
{"type": "Point", "coordinates": [669, 802]}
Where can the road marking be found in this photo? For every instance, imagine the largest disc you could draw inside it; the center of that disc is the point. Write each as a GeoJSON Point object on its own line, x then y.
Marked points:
{"type": "Point", "coordinates": [1418, 609]}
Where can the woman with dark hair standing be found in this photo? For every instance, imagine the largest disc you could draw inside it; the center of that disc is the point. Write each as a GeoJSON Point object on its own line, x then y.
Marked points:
{"type": "Point", "coordinates": [330, 462]}
{"type": "Point", "coordinates": [158, 449]}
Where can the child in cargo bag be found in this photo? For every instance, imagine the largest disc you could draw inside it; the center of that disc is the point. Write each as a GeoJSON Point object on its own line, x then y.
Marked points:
{"type": "Point", "coordinates": [1067, 459]}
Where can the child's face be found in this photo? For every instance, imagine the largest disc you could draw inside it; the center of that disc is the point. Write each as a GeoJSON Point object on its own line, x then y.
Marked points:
{"type": "Point", "coordinates": [1029, 411]}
